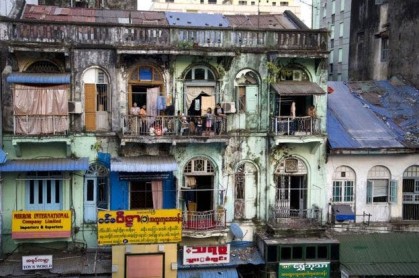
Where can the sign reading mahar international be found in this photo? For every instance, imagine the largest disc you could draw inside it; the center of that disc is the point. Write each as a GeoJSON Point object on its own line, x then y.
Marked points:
{"type": "Point", "coordinates": [139, 226]}
{"type": "Point", "coordinates": [41, 224]}
{"type": "Point", "coordinates": [36, 262]}
{"type": "Point", "coordinates": [197, 255]}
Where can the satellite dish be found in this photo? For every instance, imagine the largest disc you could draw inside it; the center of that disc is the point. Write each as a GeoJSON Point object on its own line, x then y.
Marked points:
{"type": "Point", "coordinates": [236, 231]}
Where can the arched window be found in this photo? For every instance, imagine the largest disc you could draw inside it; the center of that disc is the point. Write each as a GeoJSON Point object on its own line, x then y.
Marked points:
{"type": "Point", "coordinates": [43, 67]}
{"type": "Point", "coordinates": [379, 188]}
{"type": "Point", "coordinates": [96, 191]}
{"type": "Point", "coordinates": [247, 87]}
{"type": "Point", "coordinates": [245, 191]}
{"type": "Point", "coordinates": [96, 100]}
{"type": "Point", "coordinates": [343, 184]}
{"type": "Point", "coordinates": [411, 193]}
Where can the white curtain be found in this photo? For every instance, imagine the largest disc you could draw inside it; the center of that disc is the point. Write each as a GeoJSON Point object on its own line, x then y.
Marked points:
{"type": "Point", "coordinates": [40, 110]}
{"type": "Point", "coordinates": [193, 92]}
{"type": "Point", "coordinates": [157, 191]}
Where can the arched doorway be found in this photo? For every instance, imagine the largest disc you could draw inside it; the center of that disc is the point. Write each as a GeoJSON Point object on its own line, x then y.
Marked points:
{"type": "Point", "coordinates": [291, 186]}
{"type": "Point", "coordinates": [96, 191]}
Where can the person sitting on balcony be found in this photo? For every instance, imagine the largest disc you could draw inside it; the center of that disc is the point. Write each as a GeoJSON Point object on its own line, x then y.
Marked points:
{"type": "Point", "coordinates": [219, 118]}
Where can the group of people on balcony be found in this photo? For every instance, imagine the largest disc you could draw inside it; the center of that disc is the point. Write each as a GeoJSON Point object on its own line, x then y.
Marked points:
{"type": "Point", "coordinates": [208, 124]}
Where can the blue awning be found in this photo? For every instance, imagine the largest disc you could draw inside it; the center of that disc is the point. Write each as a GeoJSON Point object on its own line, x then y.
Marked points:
{"type": "Point", "coordinates": [39, 78]}
{"type": "Point", "coordinates": [208, 273]}
{"type": "Point", "coordinates": [146, 163]}
{"type": "Point", "coordinates": [47, 164]}
{"type": "Point", "coordinates": [343, 212]}
{"type": "Point", "coordinates": [3, 156]}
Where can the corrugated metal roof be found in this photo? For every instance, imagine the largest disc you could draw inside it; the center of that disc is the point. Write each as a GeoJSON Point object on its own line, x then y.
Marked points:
{"type": "Point", "coordinates": [39, 78]}
{"type": "Point", "coordinates": [274, 21]}
{"type": "Point", "coordinates": [379, 254]}
{"type": "Point", "coordinates": [3, 156]}
{"type": "Point", "coordinates": [143, 164]}
{"type": "Point", "coordinates": [208, 273]}
{"type": "Point", "coordinates": [46, 164]}
{"type": "Point", "coordinates": [352, 123]}
{"type": "Point", "coordinates": [52, 13]}
{"type": "Point", "coordinates": [196, 20]}
{"type": "Point", "coordinates": [296, 88]}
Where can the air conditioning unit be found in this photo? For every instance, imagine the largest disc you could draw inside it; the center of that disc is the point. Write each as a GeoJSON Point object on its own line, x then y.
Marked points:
{"type": "Point", "coordinates": [75, 107]}
{"type": "Point", "coordinates": [229, 107]}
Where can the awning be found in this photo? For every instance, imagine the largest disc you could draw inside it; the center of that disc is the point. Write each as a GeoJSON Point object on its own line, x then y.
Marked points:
{"type": "Point", "coordinates": [146, 163]}
{"type": "Point", "coordinates": [47, 164]}
{"type": "Point", "coordinates": [39, 78]}
{"type": "Point", "coordinates": [208, 273]}
{"type": "Point", "coordinates": [3, 156]}
{"type": "Point", "coordinates": [297, 88]}
{"type": "Point", "coordinates": [343, 212]}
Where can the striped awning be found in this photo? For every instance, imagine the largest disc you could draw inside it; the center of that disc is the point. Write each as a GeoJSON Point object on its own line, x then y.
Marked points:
{"type": "Point", "coordinates": [39, 78]}
{"type": "Point", "coordinates": [146, 163]}
{"type": "Point", "coordinates": [46, 164]}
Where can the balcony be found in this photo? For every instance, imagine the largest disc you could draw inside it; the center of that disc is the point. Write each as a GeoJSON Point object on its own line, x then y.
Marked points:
{"type": "Point", "coordinates": [298, 126]}
{"type": "Point", "coordinates": [165, 39]}
{"type": "Point", "coordinates": [40, 124]}
{"type": "Point", "coordinates": [167, 128]}
{"type": "Point", "coordinates": [204, 223]}
{"type": "Point", "coordinates": [283, 220]}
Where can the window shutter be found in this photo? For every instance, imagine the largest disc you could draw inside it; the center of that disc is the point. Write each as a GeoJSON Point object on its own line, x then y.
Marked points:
{"type": "Point", "coordinates": [393, 191]}
{"type": "Point", "coordinates": [369, 192]}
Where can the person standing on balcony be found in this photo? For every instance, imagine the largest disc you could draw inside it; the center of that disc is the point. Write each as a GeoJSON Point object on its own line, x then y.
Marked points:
{"type": "Point", "coordinates": [209, 119]}
{"type": "Point", "coordinates": [311, 111]}
{"type": "Point", "coordinates": [219, 118]}
{"type": "Point", "coordinates": [293, 124]}
{"type": "Point", "coordinates": [135, 110]}
{"type": "Point", "coordinates": [143, 117]}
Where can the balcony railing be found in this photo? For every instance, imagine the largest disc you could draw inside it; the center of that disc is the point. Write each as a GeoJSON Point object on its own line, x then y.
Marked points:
{"type": "Point", "coordinates": [189, 126]}
{"type": "Point", "coordinates": [285, 125]}
{"type": "Point", "coordinates": [161, 37]}
{"type": "Point", "coordinates": [204, 220]}
{"type": "Point", "coordinates": [277, 213]}
{"type": "Point", "coordinates": [40, 124]}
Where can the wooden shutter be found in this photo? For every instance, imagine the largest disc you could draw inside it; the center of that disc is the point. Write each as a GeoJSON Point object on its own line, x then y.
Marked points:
{"type": "Point", "coordinates": [90, 106]}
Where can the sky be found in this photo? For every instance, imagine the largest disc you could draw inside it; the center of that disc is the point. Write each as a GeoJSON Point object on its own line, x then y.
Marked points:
{"type": "Point", "coordinates": [142, 4]}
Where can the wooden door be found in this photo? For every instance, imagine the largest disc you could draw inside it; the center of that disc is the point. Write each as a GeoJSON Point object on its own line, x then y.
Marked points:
{"type": "Point", "coordinates": [90, 106]}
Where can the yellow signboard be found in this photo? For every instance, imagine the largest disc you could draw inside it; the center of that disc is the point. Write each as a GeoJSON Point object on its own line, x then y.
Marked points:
{"type": "Point", "coordinates": [41, 224]}
{"type": "Point", "coordinates": [142, 226]}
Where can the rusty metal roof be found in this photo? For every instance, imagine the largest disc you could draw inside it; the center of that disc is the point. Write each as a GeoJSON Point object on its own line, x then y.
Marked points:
{"type": "Point", "coordinates": [297, 88]}
{"type": "Point", "coordinates": [373, 115]}
{"type": "Point", "coordinates": [52, 13]}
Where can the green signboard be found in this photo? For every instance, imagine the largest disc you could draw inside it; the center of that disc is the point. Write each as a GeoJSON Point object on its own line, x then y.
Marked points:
{"type": "Point", "coordinates": [304, 270]}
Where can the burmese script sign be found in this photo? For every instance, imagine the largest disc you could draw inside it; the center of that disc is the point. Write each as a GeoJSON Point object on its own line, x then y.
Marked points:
{"type": "Point", "coordinates": [41, 224]}
{"type": "Point", "coordinates": [139, 226]}
{"type": "Point", "coordinates": [197, 255]}
{"type": "Point", "coordinates": [36, 262]}
{"type": "Point", "coordinates": [302, 270]}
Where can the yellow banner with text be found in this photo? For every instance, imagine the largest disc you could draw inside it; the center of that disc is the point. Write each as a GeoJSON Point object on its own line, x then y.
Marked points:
{"type": "Point", "coordinates": [139, 226]}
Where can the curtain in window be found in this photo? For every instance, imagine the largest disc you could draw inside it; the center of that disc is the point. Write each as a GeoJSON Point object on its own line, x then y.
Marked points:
{"type": "Point", "coordinates": [194, 92]}
{"type": "Point", "coordinates": [40, 110]}
{"type": "Point", "coordinates": [157, 191]}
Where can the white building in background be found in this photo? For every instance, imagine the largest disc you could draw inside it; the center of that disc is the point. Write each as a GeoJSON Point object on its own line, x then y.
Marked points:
{"type": "Point", "coordinates": [335, 15]}
{"type": "Point", "coordinates": [301, 8]}
{"type": "Point", "coordinates": [6, 6]}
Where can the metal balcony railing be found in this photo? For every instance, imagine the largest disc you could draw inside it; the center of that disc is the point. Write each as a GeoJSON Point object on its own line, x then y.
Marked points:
{"type": "Point", "coordinates": [40, 124]}
{"type": "Point", "coordinates": [187, 126]}
{"type": "Point", "coordinates": [204, 220]}
{"type": "Point", "coordinates": [180, 38]}
{"type": "Point", "coordinates": [276, 213]}
{"type": "Point", "coordinates": [286, 125]}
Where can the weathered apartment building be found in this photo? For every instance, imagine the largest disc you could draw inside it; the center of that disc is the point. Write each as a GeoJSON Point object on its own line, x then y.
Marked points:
{"type": "Point", "coordinates": [83, 170]}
